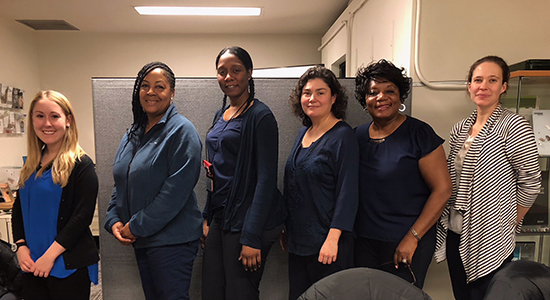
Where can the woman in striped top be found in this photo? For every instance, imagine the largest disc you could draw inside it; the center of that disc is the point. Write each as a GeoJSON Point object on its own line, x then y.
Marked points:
{"type": "Point", "coordinates": [496, 178]}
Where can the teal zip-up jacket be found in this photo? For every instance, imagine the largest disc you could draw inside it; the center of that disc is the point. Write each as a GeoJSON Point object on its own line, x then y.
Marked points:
{"type": "Point", "coordinates": [154, 183]}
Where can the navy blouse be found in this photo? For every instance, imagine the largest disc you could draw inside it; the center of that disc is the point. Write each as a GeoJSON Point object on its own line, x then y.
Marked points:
{"type": "Point", "coordinates": [223, 144]}
{"type": "Point", "coordinates": [321, 188]}
{"type": "Point", "coordinates": [393, 192]}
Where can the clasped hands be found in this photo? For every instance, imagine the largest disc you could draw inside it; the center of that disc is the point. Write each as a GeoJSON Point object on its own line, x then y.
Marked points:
{"type": "Point", "coordinates": [123, 234]}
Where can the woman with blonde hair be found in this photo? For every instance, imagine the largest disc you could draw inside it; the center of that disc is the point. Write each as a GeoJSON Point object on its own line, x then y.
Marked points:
{"type": "Point", "coordinates": [55, 205]}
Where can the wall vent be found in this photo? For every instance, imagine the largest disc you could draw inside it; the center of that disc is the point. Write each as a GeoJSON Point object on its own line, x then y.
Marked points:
{"type": "Point", "coordinates": [48, 24]}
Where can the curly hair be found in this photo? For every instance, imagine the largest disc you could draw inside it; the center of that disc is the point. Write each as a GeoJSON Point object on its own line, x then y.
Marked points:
{"type": "Point", "coordinates": [340, 104]}
{"type": "Point", "coordinates": [380, 71]}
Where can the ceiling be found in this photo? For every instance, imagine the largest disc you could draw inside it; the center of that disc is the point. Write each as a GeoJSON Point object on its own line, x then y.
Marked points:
{"type": "Point", "coordinates": [119, 16]}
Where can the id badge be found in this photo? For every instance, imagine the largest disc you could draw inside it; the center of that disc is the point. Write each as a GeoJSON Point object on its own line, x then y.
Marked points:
{"type": "Point", "coordinates": [210, 185]}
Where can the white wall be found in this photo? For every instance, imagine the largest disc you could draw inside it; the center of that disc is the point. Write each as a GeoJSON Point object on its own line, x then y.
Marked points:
{"type": "Point", "coordinates": [18, 68]}
{"type": "Point", "coordinates": [453, 34]}
{"type": "Point", "coordinates": [68, 61]}
{"type": "Point", "coordinates": [374, 29]}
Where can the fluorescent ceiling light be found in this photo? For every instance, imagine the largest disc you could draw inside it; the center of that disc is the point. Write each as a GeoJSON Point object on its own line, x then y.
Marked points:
{"type": "Point", "coordinates": [198, 11]}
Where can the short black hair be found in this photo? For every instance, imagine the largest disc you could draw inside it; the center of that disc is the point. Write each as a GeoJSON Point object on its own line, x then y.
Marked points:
{"type": "Point", "coordinates": [381, 71]}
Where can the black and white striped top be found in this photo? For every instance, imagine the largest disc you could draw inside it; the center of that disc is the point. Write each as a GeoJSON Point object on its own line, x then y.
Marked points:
{"type": "Point", "coordinates": [500, 171]}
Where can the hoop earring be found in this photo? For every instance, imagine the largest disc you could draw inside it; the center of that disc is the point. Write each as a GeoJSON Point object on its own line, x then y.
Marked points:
{"type": "Point", "coordinates": [402, 107]}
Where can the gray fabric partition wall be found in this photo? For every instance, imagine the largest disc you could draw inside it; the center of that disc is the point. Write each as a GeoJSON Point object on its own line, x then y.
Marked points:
{"type": "Point", "coordinates": [197, 99]}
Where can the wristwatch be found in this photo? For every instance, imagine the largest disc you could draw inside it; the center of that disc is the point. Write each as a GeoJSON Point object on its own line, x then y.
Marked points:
{"type": "Point", "coordinates": [18, 245]}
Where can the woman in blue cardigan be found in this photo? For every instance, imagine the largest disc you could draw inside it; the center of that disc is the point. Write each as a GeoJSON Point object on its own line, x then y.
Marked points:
{"type": "Point", "coordinates": [243, 215]}
{"type": "Point", "coordinates": [321, 184]}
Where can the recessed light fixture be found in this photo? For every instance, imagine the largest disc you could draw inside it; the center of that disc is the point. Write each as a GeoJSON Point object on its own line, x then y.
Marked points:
{"type": "Point", "coordinates": [197, 11]}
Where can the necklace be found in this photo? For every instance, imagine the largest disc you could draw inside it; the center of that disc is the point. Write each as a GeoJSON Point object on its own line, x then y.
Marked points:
{"type": "Point", "coordinates": [234, 115]}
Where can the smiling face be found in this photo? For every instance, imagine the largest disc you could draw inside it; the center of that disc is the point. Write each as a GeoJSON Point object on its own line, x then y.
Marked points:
{"type": "Point", "coordinates": [155, 95]}
{"type": "Point", "coordinates": [382, 99]}
{"type": "Point", "coordinates": [486, 85]}
{"type": "Point", "coordinates": [50, 123]}
{"type": "Point", "coordinates": [316, 99]}
{"type": "Point", "coordinates": [233, 76]}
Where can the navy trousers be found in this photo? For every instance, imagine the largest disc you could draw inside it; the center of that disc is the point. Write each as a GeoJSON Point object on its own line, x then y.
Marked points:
{"type": "Point", "coordinates": [223, 274]}
{"type": "Point", "coordinates": [304, 271]}
{"type": "Point", "coordinates": [166, 271]}
{"type": "Point", "coordinates": [379, 255]}
{"type": "Point", "coordinates": [474, 290]}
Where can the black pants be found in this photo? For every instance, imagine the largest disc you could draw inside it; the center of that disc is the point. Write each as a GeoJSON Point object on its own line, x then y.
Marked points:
{"type": "Point", "coordinates": [74, 287]}
{"type": "Point", "coordinates": [303, 271]}
{"type": "Point", "coordinates": [379, 255]}
{"type": "Point", "coordinates": [474, 290]}
{"type": "Point", "coordinates": [223, 274]}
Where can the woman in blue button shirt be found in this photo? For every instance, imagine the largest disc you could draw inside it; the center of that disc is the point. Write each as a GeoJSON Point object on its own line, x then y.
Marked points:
{"type": "Point", "coordinates": [55, 206]}
{"type": "Point", "coordinates": [320, 183]}
{"type": "Point", "coordinates": [153, 206]}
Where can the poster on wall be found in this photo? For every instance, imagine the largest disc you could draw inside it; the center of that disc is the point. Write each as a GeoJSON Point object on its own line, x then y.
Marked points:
{"type": "Point", "coordinates": [8, 95]}
{"type": "Point", "coordinates": [3, 99]}
{"type": "Point", "coordinates": [11, 97]}
{"type": "Point", "coordinates": [541, 127]}
{"type": "Point", "coordinates": [17, 98]}
{"type": "Point", "coordinates": [12, 123]}
{"type": "Point", "coordinates": [20, 123]}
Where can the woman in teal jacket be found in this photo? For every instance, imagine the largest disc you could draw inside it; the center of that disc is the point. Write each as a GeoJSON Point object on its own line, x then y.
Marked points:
{"type": "Point", "coordinates": [153, 206]}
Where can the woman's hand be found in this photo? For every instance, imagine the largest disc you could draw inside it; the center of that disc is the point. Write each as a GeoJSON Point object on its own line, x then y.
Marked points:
{"type": "Point", "coordinates": [405, 250]}
{"type": "Point", "coordinates": [43, 265]}
{"type": "Point", "coordinates": [126, 233]}
{"type": "Point", "coordinates": [251, 258]}
{"type": "Point", "coordinates": [25, 260]}
{"type": "Point", "coordinates": [205, 229]}
{"type": "Point", "coordinates": [283, 240]}
{"type": "Point", "coordinates": [329, 250]}
{"type": "Point", "coordinates": [117, 232]}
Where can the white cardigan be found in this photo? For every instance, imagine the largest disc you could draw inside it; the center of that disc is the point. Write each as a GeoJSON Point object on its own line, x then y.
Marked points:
{"type": "Point", "coordinates": [500, 171]}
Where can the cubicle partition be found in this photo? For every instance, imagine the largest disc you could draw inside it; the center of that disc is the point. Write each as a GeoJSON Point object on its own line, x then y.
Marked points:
{"type": "Point", "coordinates": [197, 99]}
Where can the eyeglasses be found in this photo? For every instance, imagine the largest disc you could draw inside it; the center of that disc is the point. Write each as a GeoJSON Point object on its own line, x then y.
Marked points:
{"type": "Point", "coordinates": [408, 266]}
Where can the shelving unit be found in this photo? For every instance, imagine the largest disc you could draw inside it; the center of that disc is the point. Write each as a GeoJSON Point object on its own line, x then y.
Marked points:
{"type": "Point", "coordinates": [529, 92]}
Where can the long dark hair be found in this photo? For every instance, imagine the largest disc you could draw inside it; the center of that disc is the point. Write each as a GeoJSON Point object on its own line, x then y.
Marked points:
{"type": "Point", "coordinates": [140, 117]}
{"type": "Point", "coordinates": [245, 58]}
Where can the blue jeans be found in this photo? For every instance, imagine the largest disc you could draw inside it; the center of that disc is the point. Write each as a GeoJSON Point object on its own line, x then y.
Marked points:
{"type": "Point", "coordinates": [166, 271]}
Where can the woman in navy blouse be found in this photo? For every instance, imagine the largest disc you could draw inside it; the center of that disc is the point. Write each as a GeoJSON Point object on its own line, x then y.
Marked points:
{"type": "Point", "coordinates": [243, 216]}
{"type": "Point", "coordinates": [55, 206]}
{"type": "Point", "coordinates": [320, 183]}
{"type": "Point", "coordinates": [404, 179]}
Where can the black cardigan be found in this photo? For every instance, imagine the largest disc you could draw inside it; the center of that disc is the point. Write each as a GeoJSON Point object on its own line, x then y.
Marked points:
{"type": "Point", "coordinates": [254, 204]}
{"type": "Point", "coordinates": [76, 211]}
